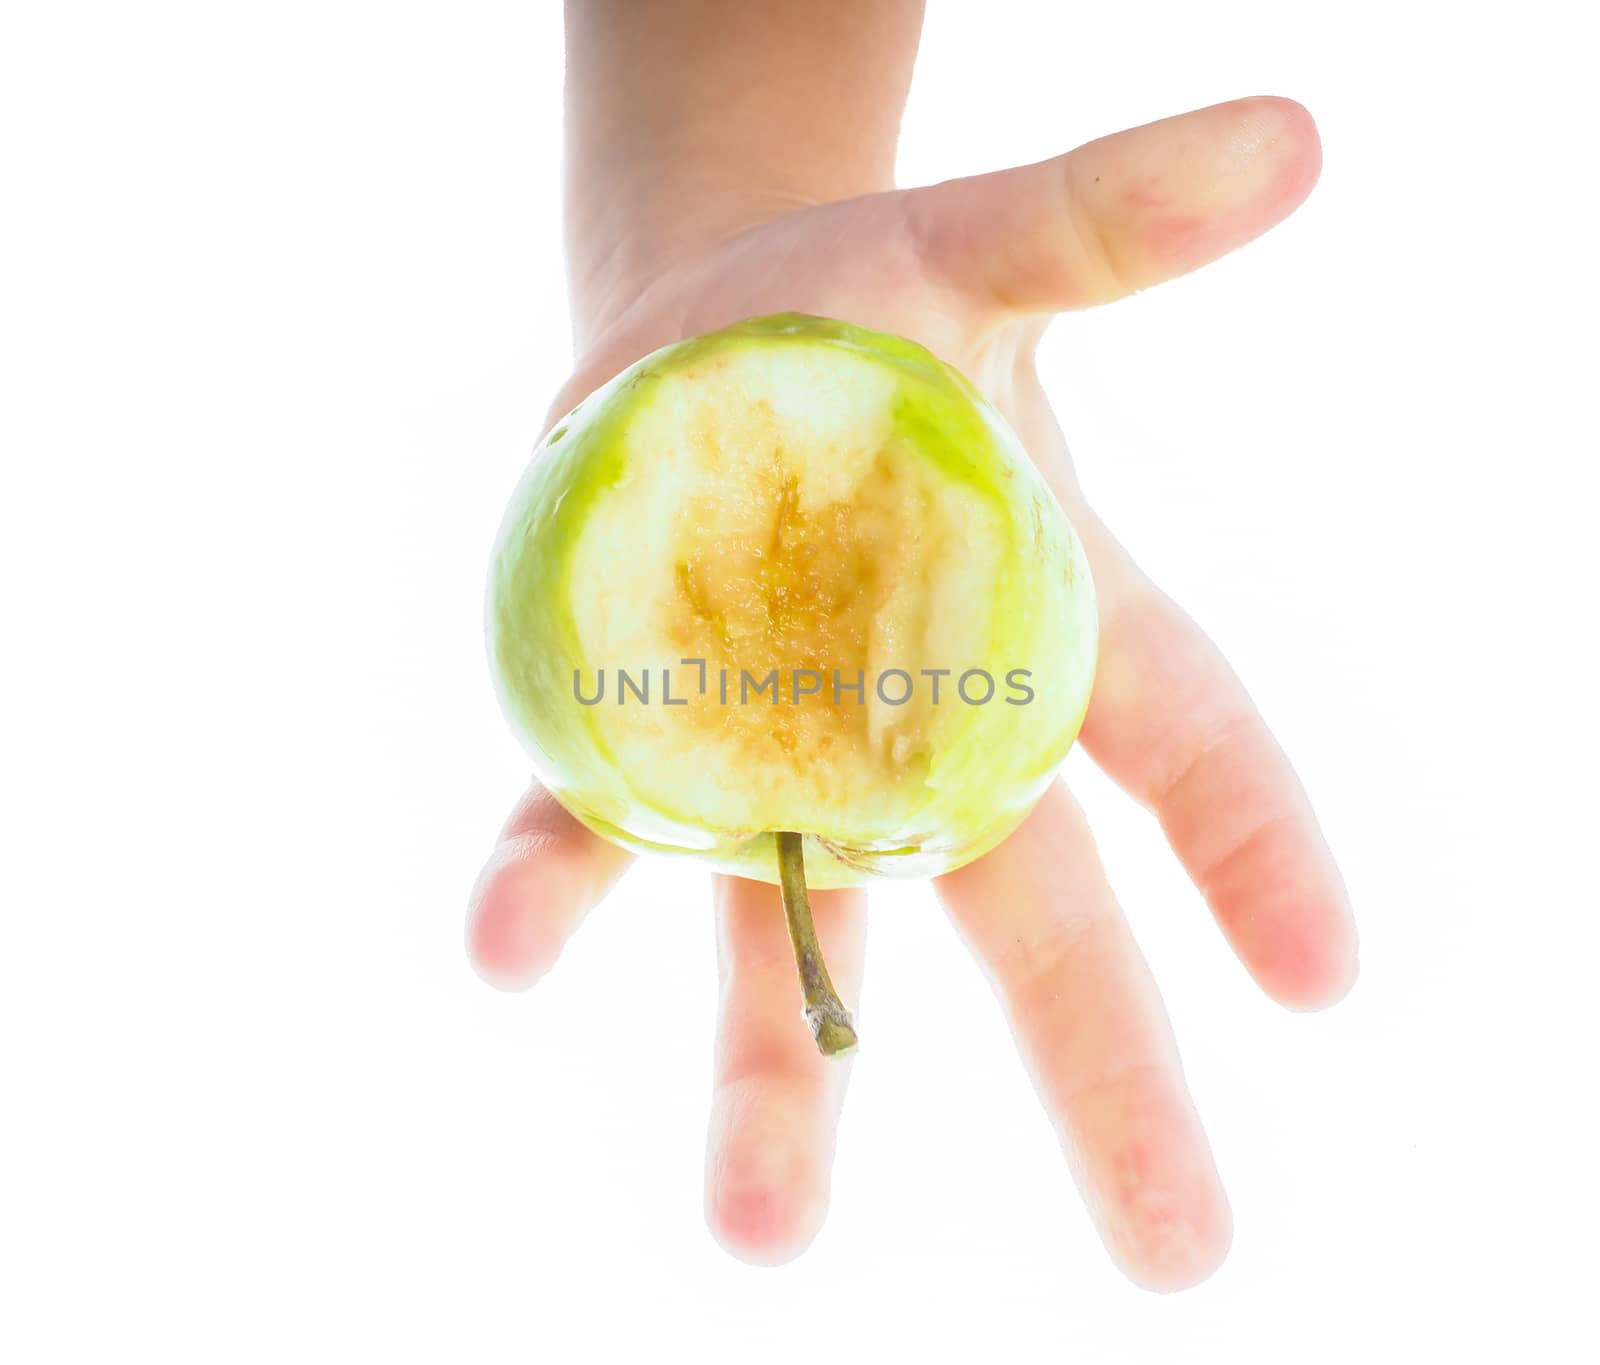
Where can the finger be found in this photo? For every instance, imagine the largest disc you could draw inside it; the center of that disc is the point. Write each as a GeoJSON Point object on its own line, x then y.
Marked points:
{"type": "Point", "coordinates": [1171, 723]}
{"type": "Point", "coordinates": [1121, 213]}
{"type": "Point", "coordinates": [545, 873]}
{"type": "Point", "coordinates": [1038, 914]}
{"type": "Point", "coordinates": [776, 1099]}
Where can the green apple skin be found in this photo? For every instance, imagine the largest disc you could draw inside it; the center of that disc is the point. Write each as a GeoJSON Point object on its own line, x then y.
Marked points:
{"type": "Point", "coordinates": [1012, 573]}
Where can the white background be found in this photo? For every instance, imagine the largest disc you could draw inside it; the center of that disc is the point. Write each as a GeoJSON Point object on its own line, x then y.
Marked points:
{"type": "Point", "coordinates": [282, 308]}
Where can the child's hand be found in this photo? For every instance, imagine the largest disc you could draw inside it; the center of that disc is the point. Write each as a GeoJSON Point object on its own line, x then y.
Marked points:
{"type": "Point", "coordinates": [973, 269]}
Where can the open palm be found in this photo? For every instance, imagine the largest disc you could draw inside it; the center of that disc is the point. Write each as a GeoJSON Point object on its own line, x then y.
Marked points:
{"type": "Point", "coordinates": [973, 269]}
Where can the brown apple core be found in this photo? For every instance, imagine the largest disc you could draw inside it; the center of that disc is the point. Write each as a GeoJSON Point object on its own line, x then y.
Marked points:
{"type": "Point", "coordinates": [764, 583]}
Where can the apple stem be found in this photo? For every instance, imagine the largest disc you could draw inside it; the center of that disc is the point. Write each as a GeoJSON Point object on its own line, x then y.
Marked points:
{"type": "Point", "coordinates": [825, 1013]}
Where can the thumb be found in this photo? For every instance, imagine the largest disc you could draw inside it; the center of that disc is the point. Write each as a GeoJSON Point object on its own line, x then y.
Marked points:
{"type": "Point", "coordinates": [1121, 213]}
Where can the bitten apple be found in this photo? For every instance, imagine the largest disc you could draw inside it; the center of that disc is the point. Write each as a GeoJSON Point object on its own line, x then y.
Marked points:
{"type": "Point", "coordinates": [792, 578]}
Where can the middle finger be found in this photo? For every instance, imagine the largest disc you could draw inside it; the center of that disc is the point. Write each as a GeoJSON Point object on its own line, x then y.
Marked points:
{"type": "Point", "coordinates": [1040, 917]}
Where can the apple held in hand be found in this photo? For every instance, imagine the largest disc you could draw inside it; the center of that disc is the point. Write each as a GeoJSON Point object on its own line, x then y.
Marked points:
{"type": "Point", "coordinates": [790, 598]}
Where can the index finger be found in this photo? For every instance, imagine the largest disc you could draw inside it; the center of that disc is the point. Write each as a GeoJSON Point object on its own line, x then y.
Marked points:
{"type": "Point", "coordinates": [1172, 724]}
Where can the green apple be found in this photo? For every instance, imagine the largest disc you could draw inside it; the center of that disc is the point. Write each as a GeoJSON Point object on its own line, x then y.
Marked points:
{"type": "Point", "coordinates": [792, 578]}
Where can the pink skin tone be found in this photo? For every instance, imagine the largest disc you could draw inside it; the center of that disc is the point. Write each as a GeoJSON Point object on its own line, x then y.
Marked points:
{"type": "Point", "coordinates": [973, 269]}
